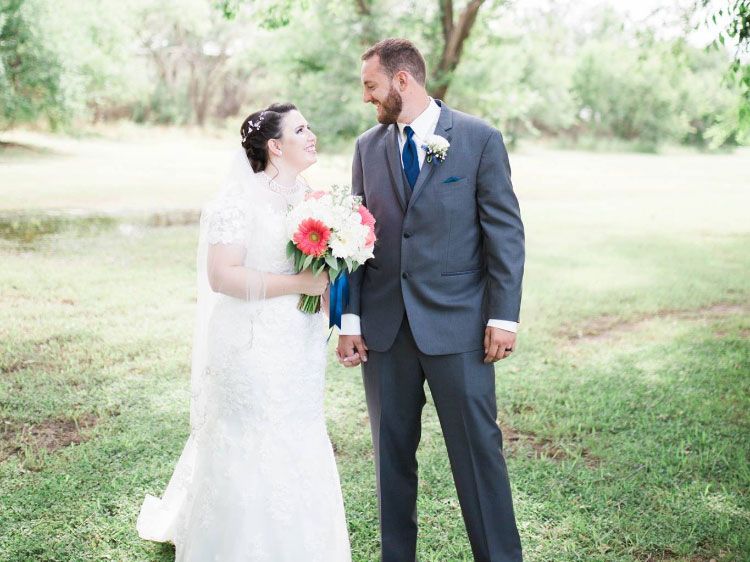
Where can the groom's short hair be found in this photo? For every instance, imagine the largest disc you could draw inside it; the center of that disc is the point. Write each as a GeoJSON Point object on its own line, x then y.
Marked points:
{"type": "Point", "coordinates": [399, 54]}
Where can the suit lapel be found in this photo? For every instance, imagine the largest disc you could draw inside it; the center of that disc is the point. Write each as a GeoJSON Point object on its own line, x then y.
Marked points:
{"type": "Point", "coordinates": [394, 164]}
{"type": "Point", "coordinates": [444, 125]}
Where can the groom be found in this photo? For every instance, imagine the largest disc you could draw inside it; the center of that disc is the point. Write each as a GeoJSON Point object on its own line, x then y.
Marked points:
{"type": "Point", "coordinates": [439, 301]}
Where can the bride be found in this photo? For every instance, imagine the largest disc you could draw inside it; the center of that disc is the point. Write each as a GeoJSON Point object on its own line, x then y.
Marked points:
{"type": "Point", "coordinates": [257, 479]}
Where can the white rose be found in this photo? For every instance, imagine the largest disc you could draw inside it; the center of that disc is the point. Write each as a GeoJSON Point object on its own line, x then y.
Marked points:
{"type": "Point", "coordinates": [347, 241]}
{"type": "Point", "coordinates": [436, 142]}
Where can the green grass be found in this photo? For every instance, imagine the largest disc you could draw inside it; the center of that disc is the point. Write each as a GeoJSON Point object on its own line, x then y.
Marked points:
{"type": "Point", "coordinates": [625, 407]}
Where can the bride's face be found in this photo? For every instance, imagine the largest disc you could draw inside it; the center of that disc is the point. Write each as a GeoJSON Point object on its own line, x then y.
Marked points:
{"type": "Point", "coordinates": [297, 142]}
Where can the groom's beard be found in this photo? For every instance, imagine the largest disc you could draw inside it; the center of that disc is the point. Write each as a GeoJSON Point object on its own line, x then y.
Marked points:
{"type": "Point", "coordinates": [390, 107]}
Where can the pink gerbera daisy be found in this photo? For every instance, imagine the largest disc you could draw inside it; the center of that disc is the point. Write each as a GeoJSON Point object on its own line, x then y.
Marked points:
{"type": "Point", "coordinates": [369, 221]}
{"type": "Point", "coordinates": [312, 237]}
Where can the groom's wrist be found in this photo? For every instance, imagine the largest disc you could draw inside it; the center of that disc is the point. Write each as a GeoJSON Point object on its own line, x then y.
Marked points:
{"type": "Point", "coordinates": [507, 325]}
{"type": "Point", "coordinates": [350, 325]}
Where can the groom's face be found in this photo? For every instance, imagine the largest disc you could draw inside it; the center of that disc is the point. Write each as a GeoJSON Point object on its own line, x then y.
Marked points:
{"type": "Point", "coordinates": [379, 89]}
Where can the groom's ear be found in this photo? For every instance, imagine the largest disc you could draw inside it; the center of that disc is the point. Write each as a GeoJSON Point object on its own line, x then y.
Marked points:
{"type": "Point", "coordinates": [402, 79]}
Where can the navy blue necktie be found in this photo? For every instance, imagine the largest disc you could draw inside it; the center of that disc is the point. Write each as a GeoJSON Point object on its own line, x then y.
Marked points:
{"type": "Point", "coordinates": [410, 157]}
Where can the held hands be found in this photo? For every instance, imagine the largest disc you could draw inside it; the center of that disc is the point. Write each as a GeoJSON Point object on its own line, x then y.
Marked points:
{"type": "Point", "coordinates": [311, 284]}
{"type": "Point", "coordinates": [498, 344]}
{"type": "Point", "coordinates": [351, 350]}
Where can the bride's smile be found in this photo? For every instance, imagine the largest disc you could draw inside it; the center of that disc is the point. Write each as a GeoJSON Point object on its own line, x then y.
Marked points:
{"type": "Point", "coordinates": [297, 144]}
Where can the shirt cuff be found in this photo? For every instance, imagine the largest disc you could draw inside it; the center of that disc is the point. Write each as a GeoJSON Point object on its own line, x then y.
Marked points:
{"type": "Point", "coordinates": [350, 325]}
{"type": "Point", "coordinates": [506, 325]}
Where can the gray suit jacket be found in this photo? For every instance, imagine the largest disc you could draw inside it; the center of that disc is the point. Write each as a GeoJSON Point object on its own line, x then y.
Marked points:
{"type": "Point", "coordinates": [453, 257]}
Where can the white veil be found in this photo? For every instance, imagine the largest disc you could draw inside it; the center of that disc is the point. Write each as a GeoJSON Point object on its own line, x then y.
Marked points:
{"type": "Point", "coordinates": [224, 224]}
{"type": "Point", "coordinates": [224, 220]}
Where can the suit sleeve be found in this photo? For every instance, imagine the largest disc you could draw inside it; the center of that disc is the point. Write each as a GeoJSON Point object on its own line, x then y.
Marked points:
{"type": "Point", "coordinates": [502, 229]}
{"type": "Point", "coordinates": [355, 279]}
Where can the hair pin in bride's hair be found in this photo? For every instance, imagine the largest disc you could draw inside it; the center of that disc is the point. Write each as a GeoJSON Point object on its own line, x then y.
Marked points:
{"type": "Point", "coordinates": [253, 125]}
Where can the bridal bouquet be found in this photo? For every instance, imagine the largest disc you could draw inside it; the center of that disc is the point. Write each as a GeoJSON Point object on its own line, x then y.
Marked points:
{"type": "Point", "coordinates": [333, 231]}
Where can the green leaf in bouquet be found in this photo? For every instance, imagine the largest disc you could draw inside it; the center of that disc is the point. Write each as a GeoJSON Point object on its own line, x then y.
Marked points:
{"type": "Point", "coordinates": [318, 266]}
{"type": "Point", "coordinates": [307, 262]}
{"type": "Point", "coordinates": [333, 274]}
{"type": "Point", "coordinates": [298, 261]}
{"type": "Point", "coordinates": [332, 262]}
{"type": "Point", "coordinates": [290, 248]}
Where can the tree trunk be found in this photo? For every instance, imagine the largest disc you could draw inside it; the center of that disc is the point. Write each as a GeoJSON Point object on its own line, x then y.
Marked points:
{"type": "Point", "coordinates": [205, 74]}
{"type": "Point", "coordinates": [369, 34]}
{"type": "Point", "coordinates": [454, 36]}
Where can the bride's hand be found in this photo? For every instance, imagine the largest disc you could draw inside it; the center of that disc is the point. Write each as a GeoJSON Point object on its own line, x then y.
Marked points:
{"type": "Point", "coordinates": [312, 285]}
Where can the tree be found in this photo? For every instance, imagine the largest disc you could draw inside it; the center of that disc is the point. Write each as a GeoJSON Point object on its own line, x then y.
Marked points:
{"type": "Point", "coordinates": [455, 32]}
{"type": "Point", "coordinates": [65, 60]}
{"type": "Point", "coordinates": [737, 16]}
{"type": "Point", "coordinates": [30, 74]}
{"type": "Point", "coordinates": [190, 46]}
{"type": "Point", "coordinates": [452, 27]}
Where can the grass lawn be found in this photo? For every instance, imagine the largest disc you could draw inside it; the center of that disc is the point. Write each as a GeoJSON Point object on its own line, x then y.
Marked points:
{"type": "Point", "coordinates": [624, 409]}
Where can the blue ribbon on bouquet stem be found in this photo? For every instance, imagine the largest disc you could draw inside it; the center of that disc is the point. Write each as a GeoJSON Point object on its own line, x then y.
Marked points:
{"type": "Point", "coordinates": [339, 299]}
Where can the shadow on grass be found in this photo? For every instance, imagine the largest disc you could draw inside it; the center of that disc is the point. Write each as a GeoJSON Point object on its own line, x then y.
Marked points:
{"type": "Point", "coordinates": [13, 150]}
{"type": "Point", "coordinates": [24, 228]}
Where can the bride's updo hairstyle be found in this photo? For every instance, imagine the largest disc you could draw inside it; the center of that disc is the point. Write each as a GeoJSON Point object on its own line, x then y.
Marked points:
{"type": "Point", "coordinates": [258, 129]}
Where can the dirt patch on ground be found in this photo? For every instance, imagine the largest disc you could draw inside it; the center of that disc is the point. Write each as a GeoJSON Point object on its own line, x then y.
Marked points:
{"type": "Point", "coordinates": [47, 436]}
{"type": "Point", "coordinates": [14, 366]}
{"type": "Point", "coordinates": [744, 334]}
{"type": "Point", "coordinates": [604, 327]}
{"type": "Point", "coordinates": [49, 354]}
{"type": "Point", "coordinates": [516, 442]}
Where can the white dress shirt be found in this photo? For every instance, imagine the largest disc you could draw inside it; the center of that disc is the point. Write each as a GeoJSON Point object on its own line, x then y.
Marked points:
{"type": "Point", "coordinates": [423, 126]}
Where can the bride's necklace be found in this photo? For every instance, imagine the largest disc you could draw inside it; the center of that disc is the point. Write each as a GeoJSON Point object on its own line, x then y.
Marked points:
{"type": "Point", "coordinates": [276, 187]}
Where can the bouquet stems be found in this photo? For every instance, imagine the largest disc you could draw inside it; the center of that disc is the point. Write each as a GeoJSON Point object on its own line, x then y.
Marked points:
{"type": "Point", "coordinates": [309, 304]}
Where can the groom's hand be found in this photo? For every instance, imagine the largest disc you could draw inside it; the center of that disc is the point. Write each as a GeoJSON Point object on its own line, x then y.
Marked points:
{"type": "Point", "coordinates": [498, 344]}
{"type": "Point", "coordinates": [351, 350]}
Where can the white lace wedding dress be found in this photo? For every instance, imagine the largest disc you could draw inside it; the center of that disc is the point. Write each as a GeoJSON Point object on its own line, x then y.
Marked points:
{"type": "Point", "coordinates": [257, 479]}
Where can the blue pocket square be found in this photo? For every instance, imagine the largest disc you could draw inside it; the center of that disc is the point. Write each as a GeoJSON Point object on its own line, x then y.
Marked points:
{"type": "Point", "coordinates": [452, 179]}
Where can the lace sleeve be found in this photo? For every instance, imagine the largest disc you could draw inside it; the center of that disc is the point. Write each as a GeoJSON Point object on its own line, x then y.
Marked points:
{"type": "Point", "coordinates": [227, 225]}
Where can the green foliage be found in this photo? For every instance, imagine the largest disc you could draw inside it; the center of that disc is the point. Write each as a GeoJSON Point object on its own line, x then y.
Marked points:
{"type": "Point", "coordinates": [269, 15]}
{"type": "Point", "coordinates": [30, 74]}
{"type": "Point", "coordinates": [66, 60]}
{"type": "Point", "coordinates": [526, 93]}
{"type": "Point", "coordinates": [606, 83]}
{"type": "Point", "coordinates": [165, 106]}
{"type": "Point", "coordinates": [737, 14]}
{"type": "Point", "coordinates": [102, 73]}
{"type": "Point", "coordinates": [632, 94]}
{"type": "Point", "coordinates": [320, 65]}
{"type": "Point", "coordinates": [530, 73]}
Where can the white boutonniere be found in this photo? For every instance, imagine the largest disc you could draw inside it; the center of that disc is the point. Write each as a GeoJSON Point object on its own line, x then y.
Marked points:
{"type": "Point", "coordinates": [436, 147]}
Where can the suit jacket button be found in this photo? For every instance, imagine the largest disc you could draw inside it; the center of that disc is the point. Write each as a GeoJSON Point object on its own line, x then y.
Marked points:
{"type": "Point", "coordinates": [404, 275]}
{"type": "Point", "coordinates": [407, 234]}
